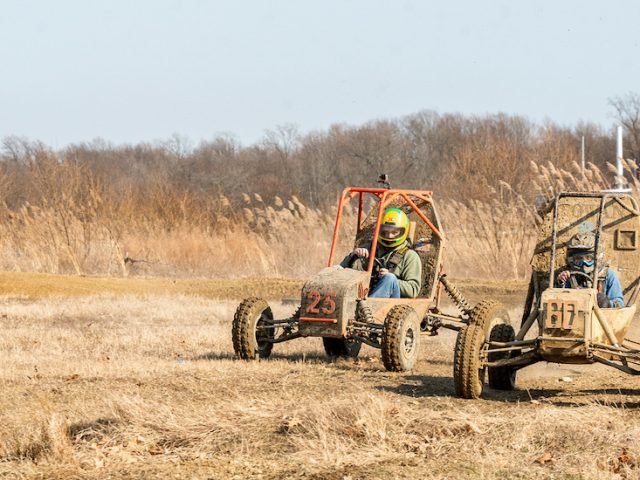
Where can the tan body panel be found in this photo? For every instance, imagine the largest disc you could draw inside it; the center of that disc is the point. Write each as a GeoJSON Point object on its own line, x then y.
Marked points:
{"type": "Point", "coordinates": [318, 318]}
{"type": "Point", "coordinates": [563, 315]}
{"type": "Point", "coordinates": [619, 319]}
{"type": "Point", "coordinates": [568, 314]}
{"type": "Point", "coordinates": [381, 306]}
{"type": "Point", "coordinates": [328, 301]}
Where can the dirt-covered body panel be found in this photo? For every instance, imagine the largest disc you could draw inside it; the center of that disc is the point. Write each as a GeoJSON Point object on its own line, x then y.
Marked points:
{"type": "Point", "coordinates": [381, 306]}
{"type": "Point", "coordinates": [565, 315]}
{"type": "Point", "coordinates": [328, 301]}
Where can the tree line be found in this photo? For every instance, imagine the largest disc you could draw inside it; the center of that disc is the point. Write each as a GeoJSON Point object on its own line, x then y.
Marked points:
{"type": "Point", "coordinates": [458, 157]}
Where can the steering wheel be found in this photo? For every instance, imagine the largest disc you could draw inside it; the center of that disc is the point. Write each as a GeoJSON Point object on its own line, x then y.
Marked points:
{"type": "Point", "coordinates": [578, 273]}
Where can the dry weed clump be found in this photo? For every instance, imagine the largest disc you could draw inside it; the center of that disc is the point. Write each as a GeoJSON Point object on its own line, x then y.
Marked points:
{"type": "Point", "coordinates": [489, 240]}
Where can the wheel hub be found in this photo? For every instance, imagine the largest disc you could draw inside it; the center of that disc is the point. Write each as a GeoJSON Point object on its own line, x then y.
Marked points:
{"type": "Point", "coordinates": [409, 341]}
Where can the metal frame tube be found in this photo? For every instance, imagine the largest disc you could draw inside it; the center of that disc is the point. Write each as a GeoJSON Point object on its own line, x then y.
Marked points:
{"type": "Point", "coordinates": [527, 358]}
{"type": "Point", "coordinates": [623, 368]}
{"type": "Point", "coordinates": [597, 242]}
{"type": "Point", "coordinates": [284, 339]}
{"type": "Point", "coordinates": [360, 207]}
{"type": "Point", "coordinates": [422, 216]}
{"type": "Point", "coordinates": [556, 339]}
{"type": "Point", "coordinates": [519, 343]}
{"type": "Point", "coordinates": [367, 341]}
{"type": "Point", "coordinates": [336, 228]}
{"type": "Point", "coordinates": [527, 324]}
{"type": "Point", "coordinates": [554, 235]}
{"type": "Point", "coordinates": [376, 233]}
{"type": "Point", "coordinates": [605, 326]}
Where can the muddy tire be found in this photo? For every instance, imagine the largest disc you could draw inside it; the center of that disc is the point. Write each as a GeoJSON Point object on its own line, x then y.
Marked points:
{"type": "Point", "coordinates": [489, 313]}
{"type": "Point", "coordinates": [400, 339]}
{"type": "Point", "coordinates": [468, 372]}
{"type": "Point", "coordinates": [250, 343]}
{"type": "Point", "coordinates": [502, 378]}
{"type": "Point", "coordinates": [468, 375]}
{"type": "Point", "coordinates": [341, 347]}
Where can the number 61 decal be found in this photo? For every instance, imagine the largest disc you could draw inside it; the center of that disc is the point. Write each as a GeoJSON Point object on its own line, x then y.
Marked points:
{"type": "Point", "coordinates": [318, 304]}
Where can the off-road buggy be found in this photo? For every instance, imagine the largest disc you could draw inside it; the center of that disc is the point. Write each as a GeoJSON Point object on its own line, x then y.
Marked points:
{"type": "Point", "coordinates": [335, 304]}
{"type": "Point", "coordinates": [571, 327]}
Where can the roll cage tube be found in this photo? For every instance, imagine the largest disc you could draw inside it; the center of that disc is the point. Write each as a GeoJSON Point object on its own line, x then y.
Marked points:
{"type": "Point", "coordinates": [385, 197]}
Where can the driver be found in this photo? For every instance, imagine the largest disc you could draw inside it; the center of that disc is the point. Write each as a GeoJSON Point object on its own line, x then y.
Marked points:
{"type": "Point", "coordinates": [581, 258]}
{"type": "Point", "coordinates": [400, 268]}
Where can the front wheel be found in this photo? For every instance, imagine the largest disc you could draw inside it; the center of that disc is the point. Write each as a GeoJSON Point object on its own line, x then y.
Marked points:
{"type": "Point", "coordinates": [468, 372]}
{"type": "Point", "coordinates": [250, 332]}
{"type": "Point", "coordinates": [341, 347]}
{"type": "Point", "coordinates": [400, 339]}
{"type": "Point", "coordinates": [469, 356]}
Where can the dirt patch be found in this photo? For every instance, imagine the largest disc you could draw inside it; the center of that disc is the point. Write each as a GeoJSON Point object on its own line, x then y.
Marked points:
{"type": "Point", "coordinates": [39, 285]}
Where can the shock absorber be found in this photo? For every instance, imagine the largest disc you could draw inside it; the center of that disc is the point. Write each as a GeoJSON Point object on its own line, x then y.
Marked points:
{"type": "Point", "coordinates": [363, 312]}
{"type": "Point", "coordinates": [456, 295]}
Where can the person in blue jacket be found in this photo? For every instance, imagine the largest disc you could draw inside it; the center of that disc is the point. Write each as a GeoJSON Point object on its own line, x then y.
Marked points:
{"type": "Point", "coordinates": [581, 258]}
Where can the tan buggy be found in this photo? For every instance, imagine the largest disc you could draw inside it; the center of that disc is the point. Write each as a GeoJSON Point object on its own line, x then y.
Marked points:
{"type": "Point", "coordinates": [571, 327]}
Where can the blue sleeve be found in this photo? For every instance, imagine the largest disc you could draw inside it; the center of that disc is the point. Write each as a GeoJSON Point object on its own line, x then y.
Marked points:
{"type": "Point", "coordinates": [612, 288]}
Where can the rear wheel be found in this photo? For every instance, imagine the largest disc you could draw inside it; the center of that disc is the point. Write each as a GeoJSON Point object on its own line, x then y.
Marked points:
{"type": "Point", "coordinates": [400, 339]}
{"type": "Point", "coordinates": [502, 378]}
{"type": "Point", "coordinates": [341, 347]}
{"type": "Point", "coordinates": [251, 340]}
{"type": "Point", "coordinates": [469, 354]}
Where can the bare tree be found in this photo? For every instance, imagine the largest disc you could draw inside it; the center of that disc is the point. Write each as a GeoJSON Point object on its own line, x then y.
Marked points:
{"type": "Point", "coordinates": [627, 109]}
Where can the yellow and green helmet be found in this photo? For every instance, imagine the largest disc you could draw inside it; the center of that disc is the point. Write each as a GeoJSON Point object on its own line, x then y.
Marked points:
{"type": "Point", "coordinates": [394, 228]}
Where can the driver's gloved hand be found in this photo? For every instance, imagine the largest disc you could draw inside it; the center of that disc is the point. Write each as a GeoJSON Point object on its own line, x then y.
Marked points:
{"type": "Point", "coordinates": [603, 301]}
{"type": "Point", "coordinates": [563, 277]}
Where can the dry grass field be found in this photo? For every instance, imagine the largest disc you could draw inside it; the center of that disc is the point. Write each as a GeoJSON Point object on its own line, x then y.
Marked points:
{"type": "Point", "coordinates": [125, 379]}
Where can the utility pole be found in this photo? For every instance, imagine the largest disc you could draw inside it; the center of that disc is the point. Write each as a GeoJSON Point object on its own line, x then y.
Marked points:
{"type": "Point", "coordinates": [582, 156]}
{"type": "Point", "coordinates": [619, 170]}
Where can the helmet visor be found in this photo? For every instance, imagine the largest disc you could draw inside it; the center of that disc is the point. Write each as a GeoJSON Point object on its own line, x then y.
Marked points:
{"type": "Point", "coordinates": [390, 232]}
{"type": "Point", "coordinates": [581, 259]}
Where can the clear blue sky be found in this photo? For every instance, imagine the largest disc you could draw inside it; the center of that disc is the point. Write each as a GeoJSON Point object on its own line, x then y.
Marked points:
{"type": "Point", "coordinates": [131, 71]}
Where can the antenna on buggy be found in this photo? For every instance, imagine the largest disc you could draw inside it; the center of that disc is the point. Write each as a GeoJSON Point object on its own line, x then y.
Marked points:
{"type": "Point", "coordinates": [383, 179]}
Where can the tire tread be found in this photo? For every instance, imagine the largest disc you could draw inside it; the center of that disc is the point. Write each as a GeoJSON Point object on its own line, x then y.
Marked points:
{"type": "Point", "coordinates": [391, 354]}
{"type": "Point", "coordinates": [242, 328]}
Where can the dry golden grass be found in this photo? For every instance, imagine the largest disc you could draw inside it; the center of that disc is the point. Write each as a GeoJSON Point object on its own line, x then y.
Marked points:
{"type": "Point", "coordinates": [145, 386]}
{"type": "Point", "coordinates": [287, 239]}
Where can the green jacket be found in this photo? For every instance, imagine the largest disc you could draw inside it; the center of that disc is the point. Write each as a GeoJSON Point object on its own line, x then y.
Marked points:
{"type": "Point", "coordinates": [408, 271]}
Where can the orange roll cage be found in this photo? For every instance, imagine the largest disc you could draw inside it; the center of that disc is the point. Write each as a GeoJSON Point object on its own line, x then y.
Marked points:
{"type": "Point", "coordinates": [385, 197]}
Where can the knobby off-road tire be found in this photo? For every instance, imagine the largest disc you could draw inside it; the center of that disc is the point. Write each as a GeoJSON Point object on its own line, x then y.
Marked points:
{"type": "Point", "coordinates": [400, 339]}
{"type": "Point", "coordinates": [341, 347]}
{"type": "Point", "coordinates": [468, 374]}
{"type": "Point", "coordinates": [468, 377]}
{"type": "Point", "coordinates": [248, 343]}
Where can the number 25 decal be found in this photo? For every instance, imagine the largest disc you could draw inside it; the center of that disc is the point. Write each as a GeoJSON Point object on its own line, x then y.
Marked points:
{"type": "Point", "coordinates": [327, 305]}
